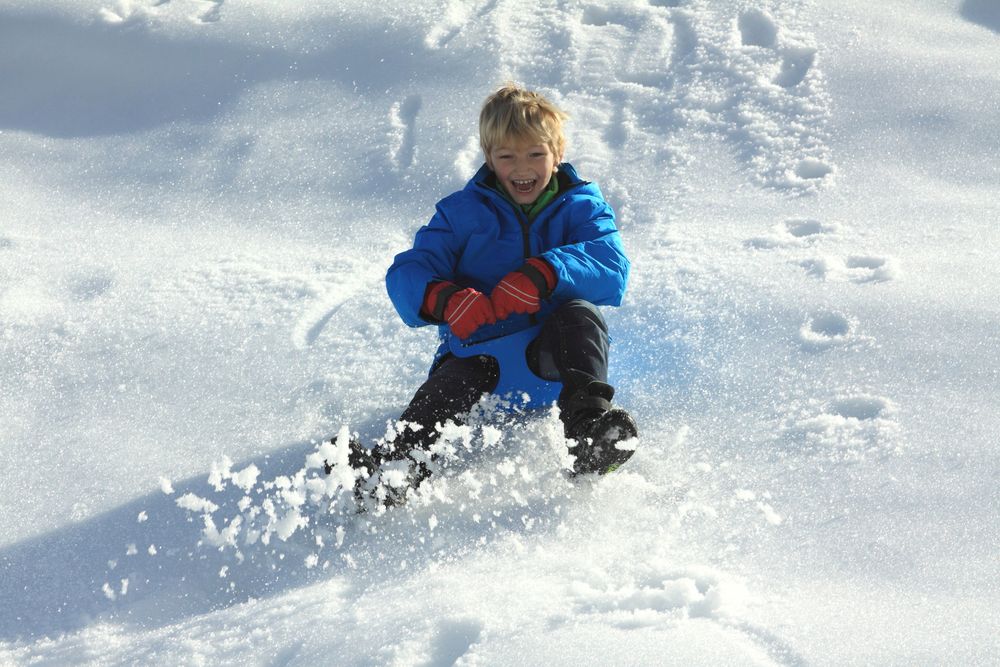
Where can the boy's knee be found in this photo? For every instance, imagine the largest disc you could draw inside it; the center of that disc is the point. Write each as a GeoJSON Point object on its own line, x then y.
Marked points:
{"type": "Point", "coordinates": [475, 375]}
{"type": "Point", "coordinates": [578, 312]}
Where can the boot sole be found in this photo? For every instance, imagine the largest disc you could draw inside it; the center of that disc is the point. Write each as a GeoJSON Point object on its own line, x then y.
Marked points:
{"type": "Point", "coordinates": [603, 456]}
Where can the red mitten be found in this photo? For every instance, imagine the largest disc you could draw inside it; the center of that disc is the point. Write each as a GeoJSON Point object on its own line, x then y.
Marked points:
{"type": "Point", "coordinates": [522, 291]}
{"type": "Point", "coordinates": [465, 310]}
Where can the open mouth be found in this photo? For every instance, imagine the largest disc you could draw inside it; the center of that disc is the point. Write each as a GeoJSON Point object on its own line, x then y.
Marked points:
{"type": "Point", "coordinates": [524, 186]}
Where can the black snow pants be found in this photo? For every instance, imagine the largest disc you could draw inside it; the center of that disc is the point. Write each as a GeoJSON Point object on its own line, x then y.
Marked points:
{"type": "Point", "coordinates": [572, 347]}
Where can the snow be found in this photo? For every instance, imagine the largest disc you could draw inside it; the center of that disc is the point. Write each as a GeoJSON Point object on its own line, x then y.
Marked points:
{"type": "Point", "coordinates": [199, 200]}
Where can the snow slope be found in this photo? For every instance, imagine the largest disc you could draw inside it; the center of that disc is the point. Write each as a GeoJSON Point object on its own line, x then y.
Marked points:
{"type": "Point", "coordinates": [200, 198]}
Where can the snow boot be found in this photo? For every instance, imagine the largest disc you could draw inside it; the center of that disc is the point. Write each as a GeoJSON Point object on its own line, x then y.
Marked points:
{"type": "Point", "coordinates": [598, 429]}
{"type": "Point", "coordinates": [396, 476]}
{"type": "Point", "coordinates": [365, 462]}
{"type": "Point", "coordinates": [359, 457]}
{"type": "Point", "coordinates": [386, 475]}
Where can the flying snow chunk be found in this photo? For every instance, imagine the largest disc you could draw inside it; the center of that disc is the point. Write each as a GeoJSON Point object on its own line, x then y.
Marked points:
{"type": "Point", "coordinates": [246, 478]}
{"type": "Point", "coordinates": [770, 515]}
{"type": "Point", "coordinates": [221, 538]}
{"type": "Point", "coordinates": [166, 486]}
{"type": "Point", "coordinates": [193, 503]}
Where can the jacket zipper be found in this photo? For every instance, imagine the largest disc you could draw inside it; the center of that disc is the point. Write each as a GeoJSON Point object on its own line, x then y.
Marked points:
{"type": "Point", "coordinates": [525, 233]}
{"type": "Point", "coordinates": [526, 238]}
{"type": "Point", "coordinates": [526, 225]}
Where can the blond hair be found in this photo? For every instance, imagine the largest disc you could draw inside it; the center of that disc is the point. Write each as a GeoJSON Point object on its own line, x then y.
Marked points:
{"type": "Point", "coordinates": [513, 113]}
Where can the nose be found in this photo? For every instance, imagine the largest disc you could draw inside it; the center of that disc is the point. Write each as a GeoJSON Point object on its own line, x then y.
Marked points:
{"type": "Point", "coordinates": [521, 162]}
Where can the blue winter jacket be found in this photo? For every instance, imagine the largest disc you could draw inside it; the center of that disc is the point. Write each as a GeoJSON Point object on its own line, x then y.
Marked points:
{"type": "Point", "coordinates": [477, 236]}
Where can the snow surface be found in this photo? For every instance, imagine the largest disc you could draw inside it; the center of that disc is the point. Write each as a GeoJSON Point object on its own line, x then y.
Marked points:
{"type": "Point", "coordinates": [199, 200]}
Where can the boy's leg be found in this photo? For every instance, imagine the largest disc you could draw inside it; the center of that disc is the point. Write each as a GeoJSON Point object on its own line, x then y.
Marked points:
{"type": "Point", "coordinates": [454, 386]}
{"type": "Point", "coordinates": [573, 348]}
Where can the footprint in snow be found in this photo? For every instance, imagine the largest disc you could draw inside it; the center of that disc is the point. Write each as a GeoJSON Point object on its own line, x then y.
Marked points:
{"type": "Point", "coordinates": [854, 268]}
{"type": "Point", "coordinates": [640, 73]}
{"type": "Point", "coordinates": [650, 61]}
{"type": "Point", "coordinates": [826, 329]}
{"type": "Point", "coordinates": [87, 287]}
{"type": "Point", "coordinates": [658, 593]}
{"type": "Point", "coordinates": [128, 12]}
{"type": "Point", "coordinates": [453, 21]}
{"type": "Point", "coordinates": [810, 169]}
{"type": "Point", "coordinates": [848, 428]}
{"type": "Point", "coordinates": [757, 28]}
{"type": "Point", "coordinates": [795, 65]}
{"type": "Point", "coordinates": [454, 639]}
{"type": "Point", "coordinates": [792, 233]}
{"type": "Point", "coordinates": [211, 14]}
{"type": "Point", "coordinates": [862, 408]}
{"type": "Point", "coordinates": [776, 59]}
{"type": "Point", "coordinates": [602, 16]}
{"type": "Point", "coordinates": [450, 644]}
{"type": "Point", "coordinates": [403, 132]}
{"type": "Point", "coordinates": [650, 38]}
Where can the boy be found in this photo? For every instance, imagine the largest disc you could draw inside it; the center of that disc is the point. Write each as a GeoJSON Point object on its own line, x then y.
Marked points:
{"type": "Point", "coordinates": [525, 242]}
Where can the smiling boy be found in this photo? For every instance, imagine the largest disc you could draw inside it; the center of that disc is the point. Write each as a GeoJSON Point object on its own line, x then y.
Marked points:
{"type": "Point", "coordinates": [526, 242]}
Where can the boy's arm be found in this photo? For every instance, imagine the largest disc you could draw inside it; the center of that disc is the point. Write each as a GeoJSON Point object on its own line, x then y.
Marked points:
{"type": "Point", "coordinates": [593, 265]}
{"type": "Point", "coordinates": [432, 258]}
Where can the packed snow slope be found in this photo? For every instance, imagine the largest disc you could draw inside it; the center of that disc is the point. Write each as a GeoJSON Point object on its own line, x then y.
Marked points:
{"type": "Point", "coordinates": [199, 199]}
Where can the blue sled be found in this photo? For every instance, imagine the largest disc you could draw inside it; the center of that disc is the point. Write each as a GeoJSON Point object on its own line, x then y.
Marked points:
{"type": "Point", "coordinates": [516, 378]}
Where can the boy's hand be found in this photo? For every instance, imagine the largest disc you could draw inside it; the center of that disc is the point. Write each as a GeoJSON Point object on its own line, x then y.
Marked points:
{"type": "Point", "coordinates": [465, 310]}
{"type": "Point", "coordinates": [522, 291]}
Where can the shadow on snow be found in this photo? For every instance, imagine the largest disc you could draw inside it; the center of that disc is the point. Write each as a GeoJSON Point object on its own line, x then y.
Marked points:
{"type": "Point", "coordinates": [71, 79]}
{"type": "Point", "coordinates": [71, 578]}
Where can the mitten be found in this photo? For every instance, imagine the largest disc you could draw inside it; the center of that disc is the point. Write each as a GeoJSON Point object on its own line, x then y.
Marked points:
{"type": "Point", "coordinates": [465, 310]}
{"type": "Point", "coordinates": [522, 290]}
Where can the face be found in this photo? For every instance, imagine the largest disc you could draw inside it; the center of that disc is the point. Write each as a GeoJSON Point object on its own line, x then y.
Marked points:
{"type": "Point", "coordinates": [524, 168]}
